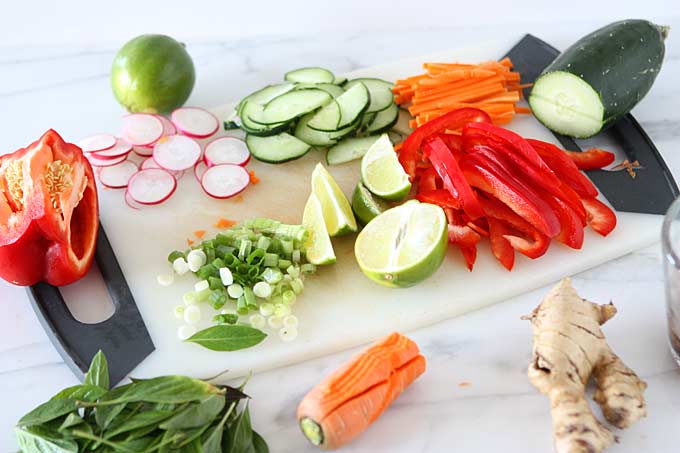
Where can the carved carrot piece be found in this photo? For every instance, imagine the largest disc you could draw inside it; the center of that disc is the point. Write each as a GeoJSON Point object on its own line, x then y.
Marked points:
{"type": "Point", "coordinates": [347, 401]}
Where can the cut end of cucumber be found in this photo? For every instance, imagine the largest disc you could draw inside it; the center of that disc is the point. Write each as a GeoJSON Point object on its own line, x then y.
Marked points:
{"type": "Point", "coordinates": [567, 104]}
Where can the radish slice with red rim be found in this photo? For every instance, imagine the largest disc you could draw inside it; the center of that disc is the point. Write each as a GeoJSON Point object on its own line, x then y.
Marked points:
{"type": "Point", "coordinates": [226, 150]}
{"type": "Point", "coordinates": [151, 186]}
{"type": "Point", "coordinates": [121, 148]}
{"type": "Point", "coordinates": [199, 169]}
{"type": "Point", "coordinates": [98, 142]}
{"type": "Point", "coordinates": [168, 127]}
{"type": "Point", "coordinates": [149, 163]}
{"type": "Point", "coordinates": [143, 151]}
{"type": "Point", "coordinates": [176, 152]}
{"type": "Point", "coordinates": [117, 176]}
{"type": "Point", "coordinates": [130, 202]}
{"type": "Point", "coordinates": [195, 122]}
{"type": "Point", "coordinates": [142, 129]}
{"type": "Point", "coordinates": [225, 180]}
{"type": "Point", "coordinates": [108, 162]}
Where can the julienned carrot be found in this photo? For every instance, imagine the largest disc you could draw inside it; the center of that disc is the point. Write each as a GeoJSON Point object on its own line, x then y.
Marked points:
{"type": "Point", "coordinates": [225, 223]}
{"type": "Point", "coordinates": [346, 402]}
{"type": "Point", "coordinates": [199, 233]}
{"type": "Point", "coordinates": [491, 86]}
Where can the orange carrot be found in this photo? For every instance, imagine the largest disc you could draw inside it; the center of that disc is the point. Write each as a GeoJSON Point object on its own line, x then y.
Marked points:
{"type": "Point", "coordinates": [254, 179]}
{"type": "Point", "coordinates": [190, 242]}
{"type": "Point", "coordinates": [224, 223]}
{"type": "Point", "coordinates": [346, 402]}
{"type": "Point", "coordinates": [199, 234]}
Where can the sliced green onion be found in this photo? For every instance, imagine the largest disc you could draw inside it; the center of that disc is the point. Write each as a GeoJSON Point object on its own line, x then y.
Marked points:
{"type": "Point", "coordinates": [262, 290]}
{"type": "Point", "coordinates": [290, 321]}
{"type": "Point", "coordinates": [288, 334]}
{"type": "Point", "coordinates": [284, 263]}
{"type": "Point", "coordinates": [281, 310]}
{"type": "Point", "coordinates": [226, 318]}
{"type": "Point", "coordinates": [254, 272]}
{"type": "Point", "coordinates": [203, 295]}
{"type": "Point", "coordinates": [256, 257]}
{"type": "Point", "coordinates": [244, 249]}
{"type": "Point", "coordinates": [272, 275]}
{"type": "Point", "coordinates": [266, 309]}
{"type": "Point", "coordinates": [226, 277]}
{"type": "Point", "coordinates": [257, 321]}
{"type": "Point", "coordinates": [218, 298]}
{"type": "Point", "coordinates": [195, 259]}
{"type": "Point", "coordinates": [209, 254]}
{"type": "Point", "coordinates": [235, 291]}
{"type": "Point", "coordinates": [223, 250]}
{"type": "Point", "coordinates": [263, 243]}
{"type": "Point", "coordinates": [165, 279]}
{"type": "Point", "coordinates": [274, 322]}
{"type": "Point", "coordinates": [201, 285]}
{"type": "Point", "coordinates": [192, 314]}
{"type": "Point", "coordinates": [297, 286]}
{"type": "Point", "coordinates": [242, 305]}
{"type": "Point", "coordinates": [308, 268]}
{"type": "Point", "coordinates": [250, 298]}
{"type": "Point", "coordinates": [179, 312]}
{"type": "Point", "coordinates": [289, 297]}
{"type": "Point", "coordinates": [287, 247]}
{"type": "Point", "coordinates": [231, 261]}
{"type": "Point", "coordinates": [180, 266]}
{"type": "Point", "coordinates": [297, 256]}
{"type": "Point", "coordinates": [270, 260]}
{"type": "Point", "coordinates": [190, 298]}
{"type": "Point", "coordinates": [218, 263]}
{"type": "Point", "coordinates": [176, 254]}
{"type": "Point", "coordinates": [206, 271]}
{"type": "Point", "coordinates": [293, 271]}
{"type": "Point", "coordinates": [215, 283]}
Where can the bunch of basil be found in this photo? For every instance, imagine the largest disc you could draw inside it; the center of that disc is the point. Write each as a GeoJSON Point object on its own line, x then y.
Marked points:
{"type": "Point", "coordinates": [163, 414]}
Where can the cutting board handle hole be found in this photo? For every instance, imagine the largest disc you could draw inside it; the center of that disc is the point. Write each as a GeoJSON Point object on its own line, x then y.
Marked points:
{"type": "Point", "coordinates": [88, 299]}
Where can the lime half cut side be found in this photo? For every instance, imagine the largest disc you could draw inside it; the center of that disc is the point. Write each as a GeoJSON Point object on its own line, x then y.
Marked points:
{"type": "Point", "coordinates": [337, 212]}
{"type": "Point", "coordinates": [404, 245]}
{"type": "Point", "coordinates": [318, 247]}
{"type": "Point", "coordinates": [382, 173]}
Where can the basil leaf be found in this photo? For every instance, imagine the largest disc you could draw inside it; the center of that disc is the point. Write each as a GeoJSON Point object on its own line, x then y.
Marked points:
{"type": "Point", "coordinates": [38, 439]}
{"type": "Point", "coordinates": [49, 411]}
{"type": "Point", "coordinates": [241, 433]}
{"type": "Point", "coordinates": [89, 393]}
{"type": "Point", "coordinates": [197, 414]}
{"type": "Point", "coordinates": [104, 414]}
{"type": "Point", "coordinates": [169, 389]}
{"type": "Point", "coordinates": [259, 444]}
{"type": "Point", "coordinates": [98, 374]}
{"type": "Point", "coordinates": [141, 432]}
{"type": "Point", "coordinates": [213, 440]}
{"type": "Point", "coordinates": [225, 337]}
{"type": "Point", "coordinates": [71, 420]}
{"type": "Point", "coordinates": [139, 420]}
{"type": "Point", "coordinates": [139, 444]}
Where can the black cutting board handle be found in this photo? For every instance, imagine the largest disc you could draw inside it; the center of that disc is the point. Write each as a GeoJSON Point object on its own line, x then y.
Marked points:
{"type": "Point", "coordinates": [123, 337]}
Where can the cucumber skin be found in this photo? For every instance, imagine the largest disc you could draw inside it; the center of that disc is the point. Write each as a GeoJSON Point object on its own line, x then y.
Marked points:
{"type": "Point", "coordinates": [619, 61]}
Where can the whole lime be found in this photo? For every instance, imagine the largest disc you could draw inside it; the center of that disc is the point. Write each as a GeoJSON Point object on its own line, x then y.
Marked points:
{"type": "Point", "coordinates": [153, 74]}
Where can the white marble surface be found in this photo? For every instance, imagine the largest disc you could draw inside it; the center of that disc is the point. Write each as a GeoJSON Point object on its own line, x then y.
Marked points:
{"type": "Point", "coordinates": [67, 88]}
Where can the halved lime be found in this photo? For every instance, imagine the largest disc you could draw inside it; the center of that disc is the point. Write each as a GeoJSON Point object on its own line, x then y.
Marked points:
{"type": "Point", "coordinates": [382, 173]}
{"type": "Point", "coordinates": [404, 245]}
{"type": "Point", "coordinates": [337, 213]}
{"type": "Point", "coordinates": [318, 247]}
{"type": "Point", "coordinates": [365, 205]}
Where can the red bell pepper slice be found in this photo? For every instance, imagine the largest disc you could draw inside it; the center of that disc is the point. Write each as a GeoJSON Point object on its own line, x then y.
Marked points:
{"type": "Point", "coordinates": [440, 197]}
{"type": "Point", "coordinates": [454, 142]}
{"type": "Point", "coordinates": [534, 245]}
{"type": "Point", "coordinates": [591, 159]}
{"type": "Point", "coordinates": [427, 179]}
{"type": "Point", "coordinates": [571, 232]}
{"type": "Point", "coordinates": [501, 247]}
{"type": "Point", "coordinates": [48, 213]}
{"type": "Point", "coordinates": [454, 181]}
{"type": "Point", "coordinates": [600, 217]}
{"type": "Point", "coordinates": [469, 254]}
{"type": "Point", "coordinates": [410, 153]}
{"type": "Point", "coordinates": [491, 178]}
{"type": "Point", "coordinates": [490, 135]}
{"type": "Point", "coordinates": [564, 167]}
{"type": "Point", "coordinates": [463, 235]}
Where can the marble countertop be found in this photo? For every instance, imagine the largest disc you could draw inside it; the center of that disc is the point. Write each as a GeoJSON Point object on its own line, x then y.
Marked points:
{"type": "Point", "coordinates": [475, 396]}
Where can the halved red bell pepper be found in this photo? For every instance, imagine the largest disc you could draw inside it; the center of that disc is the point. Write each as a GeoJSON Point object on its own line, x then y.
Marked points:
{"type": "Point", "coordinates": [501, 247]}
{"type": "Point", "coordinates": [564, 167]}
{"type": "Point", "coordinates": [571, 232]}
{"type": "Point", "coordinates": [600, 217]}
{"type": "Point", "coordinates": [591, 159]}
{"type": "Point", "coordinates": [534, 245]}
{"type": "Point", "coordinates": [48, 213]}
{"type": "Point", "coordinates": [484, 174]}
{"type": "Point", "coordinates": [410, 153]}
{"type": "Point", "coordinates": [454, 181]}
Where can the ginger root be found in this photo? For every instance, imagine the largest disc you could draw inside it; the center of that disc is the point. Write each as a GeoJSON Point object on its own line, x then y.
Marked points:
{"type": "Point", "coordinates": [568, 347]}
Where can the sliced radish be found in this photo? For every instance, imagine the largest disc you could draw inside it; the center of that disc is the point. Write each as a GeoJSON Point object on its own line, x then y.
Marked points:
{"type": "Point", "coordinates": [99, 142]}
{"type": "Point", "coordinates": [143, 151]}
{"type": "Point", "coordinates": [149, 163]}
{"type": "Point", "coordinates": [151, 186]}
{"type": "Point", "coordinates": [168, 127]}
{"type": "Point", "coordinates": [117, 176]}
{"type": "Point", "coordinates": [121, 148]}
{"type": "Point", "coordinates": [176, 152]}
{"type": "Point", "coordinates": [107, 162]}
{"type": "Point", "coordinates": [130, 202]}
{"type": "Point", "coordinates": [225, 181]}
{"type": "Point", "coordinates": [142, 129]}
{"type": "Point", "coordinates": [199, 169]}
{"type": "Point", "coordinates": [195, 122]}
{"type": "Point", "coordinates": [226, 150]}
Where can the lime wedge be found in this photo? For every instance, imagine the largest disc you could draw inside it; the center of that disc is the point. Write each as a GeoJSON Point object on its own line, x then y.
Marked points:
{"type": "Point", "coordinates": [337, 213]}
{"type": "Point", "coordinates": [318, 247]}
{"type": "Point", "coordinates": [404, 245]}
{"type": "Point", "coordinates": [382, 173]}
{"type": "Point", "coordinates": [365, 205]}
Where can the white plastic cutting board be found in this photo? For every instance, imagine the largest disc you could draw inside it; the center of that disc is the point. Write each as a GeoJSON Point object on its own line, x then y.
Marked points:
{"type": "Point", "coordinates": [339, 308]}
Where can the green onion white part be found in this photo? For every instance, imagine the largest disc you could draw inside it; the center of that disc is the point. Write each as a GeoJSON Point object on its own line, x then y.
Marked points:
{"type": "Point", "coordinates": [257, 321]}
{"type": "Point", "coordinates": [195, 259]}
{"type": "Point", "coordinates": [274, 322]}
{"type": "Point", "coordinates": [262, 290]}
{"type": "Point", "coordinates": [185, 331]}
{"type": "Point", "coordinates": [192, 314]}
{"type": "Point", "coordinates": [226, 276]}
{"type": "Point", "coordinates": [201, 285]}
{"type": "Point", "coordinates": [235, 291]}
{"type": "Point", "coordinates": [179, 312]}
{"type": "Point", "coordinates": [288, 334]}
{"type": "Point", "coordinates": [180, 266]}
{"type": "Point", "coordinates": [290, 321]}
{"type": "Point", "coordinates": [267, 309]}
{"type": "Point", "coordinates": [165, 279]}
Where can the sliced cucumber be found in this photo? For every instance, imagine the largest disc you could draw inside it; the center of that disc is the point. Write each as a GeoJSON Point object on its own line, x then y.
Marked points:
{"type": "Point", "coordinates": [276, 148]}
{"type": "Point", "coordinates": [379, 90]}
{"type": "Point", "coordinates": [328, 118]}
{"type": "Point", "coordinates": [250, 109]}
{"type": "Point", "coordinates": [402, 125]}
{"type": "Point", "coordinates": [347, 130]}
{"type": "Point", "coordinates": [291, 105]}
{"type": "Point", "coordinates": [266, 94]}
{"type": "Point", "coordinates": [329, 88]}
{"type": "Point", "coordinates": [368, 119]}
{"type": "Point", "coordinates": [339, 80]}
{"type": "Point", "coordinates": [310, 75]}
{"type": "Point", "coordinates": [312, 136]}
{"type": "Point", "coordinates": [353, 104]}
{"type": "Point", "coordinates": [350, 149]}
{"type": "Point", "coordinates": [384, 120]}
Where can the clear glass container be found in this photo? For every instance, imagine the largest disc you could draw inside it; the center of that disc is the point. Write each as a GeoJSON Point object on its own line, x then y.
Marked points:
{"type": "Point", "coordinates": [670, 242]}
